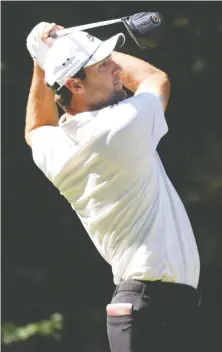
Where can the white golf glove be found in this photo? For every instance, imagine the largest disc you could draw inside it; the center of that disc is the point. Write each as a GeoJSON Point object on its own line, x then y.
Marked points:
{"type": "Point", "coordinates": [36, 47]}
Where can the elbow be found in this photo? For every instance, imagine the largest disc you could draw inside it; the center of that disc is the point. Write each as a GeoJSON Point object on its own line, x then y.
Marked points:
{"type": "Point", "coordinates": [27, 137]}
{"type": "Point", "coordinates": [168, 90]}
{"type": "Point", "coordinates": [164, 79]}
{"type": "Point", "coordinates": [165, 89]}
{"type": "Point", "coordinates": [166, 85]}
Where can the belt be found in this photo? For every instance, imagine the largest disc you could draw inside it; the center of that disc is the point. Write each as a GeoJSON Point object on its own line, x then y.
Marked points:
{"type": "Point", "coordinates": [159, 289]}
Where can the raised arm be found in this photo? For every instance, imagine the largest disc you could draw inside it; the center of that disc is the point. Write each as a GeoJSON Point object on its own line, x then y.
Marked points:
{"type": "Point", "coordinates": [138, 74]}
{"type": "Point", "coordinates": [41, 108]}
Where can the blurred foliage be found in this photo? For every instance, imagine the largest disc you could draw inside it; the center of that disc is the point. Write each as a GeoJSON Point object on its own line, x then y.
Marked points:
{"type": "Point", "coordinates": [48, 262]}
{"type": "Point", "coordinates": [12, 333]}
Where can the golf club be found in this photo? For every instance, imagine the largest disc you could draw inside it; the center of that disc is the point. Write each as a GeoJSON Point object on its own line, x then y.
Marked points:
{"type": "Point", "coordinates": [140, 27]}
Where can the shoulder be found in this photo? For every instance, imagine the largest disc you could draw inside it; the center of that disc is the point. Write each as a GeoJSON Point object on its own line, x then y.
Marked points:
{"type": "Point", "coordinates": [51, 149]}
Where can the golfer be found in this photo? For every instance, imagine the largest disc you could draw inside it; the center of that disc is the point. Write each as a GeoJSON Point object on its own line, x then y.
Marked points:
{"type": "Point", "coordinates": [102, 157]}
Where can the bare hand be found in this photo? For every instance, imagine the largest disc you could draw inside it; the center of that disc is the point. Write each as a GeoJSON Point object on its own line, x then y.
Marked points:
{"type": "Point", "coordinates": [38, 41]}
{"type": "Point", "coordinates": [49, 27]}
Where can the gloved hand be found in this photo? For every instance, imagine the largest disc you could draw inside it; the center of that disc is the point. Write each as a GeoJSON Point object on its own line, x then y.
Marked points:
{"type": "Point", "coordinates": [38, 41]}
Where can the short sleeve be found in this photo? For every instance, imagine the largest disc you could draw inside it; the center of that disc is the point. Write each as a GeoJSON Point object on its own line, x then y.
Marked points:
{"type": "Point", "coordinates": [51, 149]}
{"type": "Point", "coordinates": [153, 104]}
{"type": "Point", "coordinates": [144, 112]}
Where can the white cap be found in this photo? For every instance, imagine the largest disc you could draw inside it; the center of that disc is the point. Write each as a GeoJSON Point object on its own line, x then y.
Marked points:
{"type": "Point", "coordinates": [68, 54]}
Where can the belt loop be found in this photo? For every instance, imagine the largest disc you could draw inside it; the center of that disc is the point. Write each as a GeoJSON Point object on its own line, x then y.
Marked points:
{"type": "Point", "coordinates": [143, 293]}
{"type": "Point", "coordinates": [115, 291]}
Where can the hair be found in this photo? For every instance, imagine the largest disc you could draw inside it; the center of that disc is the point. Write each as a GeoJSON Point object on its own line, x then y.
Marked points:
{"type": "Point", "coordinates": [64, 95]}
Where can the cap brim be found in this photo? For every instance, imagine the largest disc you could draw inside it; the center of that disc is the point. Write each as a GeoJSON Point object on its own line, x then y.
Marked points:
{"type": "Point", "coordinates": [106, 48]}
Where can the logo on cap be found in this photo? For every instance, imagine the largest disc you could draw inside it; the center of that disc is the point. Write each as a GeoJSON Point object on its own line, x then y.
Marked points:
{"type": "Point", "coordinates": [90, 37]}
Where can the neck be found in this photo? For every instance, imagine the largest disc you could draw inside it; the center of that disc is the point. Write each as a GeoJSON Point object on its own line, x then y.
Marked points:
{"type": "Point", "coordinates": [74, 110]}
{"type": "Point", "coordinates": [77, 106]}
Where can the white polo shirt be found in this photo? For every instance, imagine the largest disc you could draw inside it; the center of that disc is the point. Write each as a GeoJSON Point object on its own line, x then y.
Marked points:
{"type": "Point", "coordinates": [106, 165]}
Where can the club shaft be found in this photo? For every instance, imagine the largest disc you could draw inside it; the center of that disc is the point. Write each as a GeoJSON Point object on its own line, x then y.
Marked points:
{"type": "Point", "coordinates": [66, 31]}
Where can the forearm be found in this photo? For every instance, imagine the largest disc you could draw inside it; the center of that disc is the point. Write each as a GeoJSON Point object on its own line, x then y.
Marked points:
{"type": "Point", "coordinates": [41, 108]}
{"type": "Point", "coordinates": [137, 72]}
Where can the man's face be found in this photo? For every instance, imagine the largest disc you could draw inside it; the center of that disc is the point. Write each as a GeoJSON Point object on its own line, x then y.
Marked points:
{"type": "Point", "coordinates": [102, 85]}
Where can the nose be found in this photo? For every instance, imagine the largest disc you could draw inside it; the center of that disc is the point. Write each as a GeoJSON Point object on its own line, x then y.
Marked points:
{"type": "Point", "coordinates": [116, 68]}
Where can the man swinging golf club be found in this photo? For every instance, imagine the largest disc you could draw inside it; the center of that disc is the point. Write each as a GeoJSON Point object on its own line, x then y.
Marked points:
{"type": "Point", "coordinates": [101, 155]}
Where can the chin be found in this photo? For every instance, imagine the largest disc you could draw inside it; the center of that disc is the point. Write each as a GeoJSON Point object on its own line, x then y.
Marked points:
{"type": "Point", "coordinates": [118, 96]}
{"type": "Point", "coordinates": [115, 99]}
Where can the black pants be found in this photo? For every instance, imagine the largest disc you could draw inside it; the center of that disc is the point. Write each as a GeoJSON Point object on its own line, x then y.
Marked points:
{"type": "Point", "coordinates": [164, 316]}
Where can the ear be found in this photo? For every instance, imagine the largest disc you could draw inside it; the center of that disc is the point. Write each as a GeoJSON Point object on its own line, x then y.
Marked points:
{"type": "Point", "coordinates": [74, 84]}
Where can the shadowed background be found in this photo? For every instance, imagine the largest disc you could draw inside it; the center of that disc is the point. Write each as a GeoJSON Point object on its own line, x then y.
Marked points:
{"type": "Point", "coordinates": [48, 262]}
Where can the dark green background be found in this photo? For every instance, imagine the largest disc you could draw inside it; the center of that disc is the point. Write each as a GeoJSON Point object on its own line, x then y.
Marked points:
{"type": "Point", "coordinates": [48, 262]}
